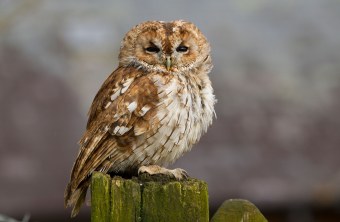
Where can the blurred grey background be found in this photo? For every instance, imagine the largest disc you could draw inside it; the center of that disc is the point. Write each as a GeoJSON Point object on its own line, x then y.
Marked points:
{"type": "Point", "coordinates": [276, 139]}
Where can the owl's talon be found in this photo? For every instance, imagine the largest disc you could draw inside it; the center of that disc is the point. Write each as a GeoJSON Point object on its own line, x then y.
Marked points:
{"type": "Point", "coordinates": [177, 173]}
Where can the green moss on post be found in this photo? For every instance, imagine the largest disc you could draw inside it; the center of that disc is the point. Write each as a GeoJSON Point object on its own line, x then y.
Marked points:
{"type": "Point", "coordinates": [238, 210]}
{"type": "Point", "coordinates": [126, 200]}
{"type": "Point", "coordinates": [175, 201]}
{"type": "Point", "coordinates": [148, 198]}
{"type": "Point", "coordinates": [100, 197]}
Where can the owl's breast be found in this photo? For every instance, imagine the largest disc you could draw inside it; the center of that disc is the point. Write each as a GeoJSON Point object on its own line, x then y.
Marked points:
{"type": "Point", "coordinates": [184, 113]}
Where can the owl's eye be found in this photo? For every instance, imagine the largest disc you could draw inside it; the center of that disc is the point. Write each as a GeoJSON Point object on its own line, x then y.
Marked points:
{"type": "Point", "coordinates": [152, 49]}
{"type": "Point", "coordinates": [182, 48]}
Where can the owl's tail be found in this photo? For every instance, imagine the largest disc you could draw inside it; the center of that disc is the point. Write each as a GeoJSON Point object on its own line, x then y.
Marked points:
{"type": "Point", "coordinates": [93, 156]}
{"type": "Point", "coordinates": [76, 197]}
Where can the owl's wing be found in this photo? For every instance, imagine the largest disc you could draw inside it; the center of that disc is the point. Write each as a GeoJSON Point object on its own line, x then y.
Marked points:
{"type": "Point", "coordinates": [123, 108]}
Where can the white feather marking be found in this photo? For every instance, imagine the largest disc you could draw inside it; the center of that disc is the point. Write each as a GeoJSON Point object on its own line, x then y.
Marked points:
{"type": "Point", "coordinates": [115, 95]}
{"type": "Point", "coordinates": [107, 105]}
{"type": "Point", "coordinates": [123, 130]}
{"type": "Point", "coordinates": [120, 130]}
{"type": "Point", "coordinates": [132, 106]}
{"type": "Point", "coordinates": [126, 85]}
{"type": "Point", "coordinates": [144, 110]}
{"type": "Point", "coordinates": [116, 130]}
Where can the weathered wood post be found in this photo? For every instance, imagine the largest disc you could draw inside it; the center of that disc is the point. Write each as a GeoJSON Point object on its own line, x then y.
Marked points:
{"type": "Point", "coordinates": [148, 198]}
{"type": "Point", "coordinates": [100, 197]}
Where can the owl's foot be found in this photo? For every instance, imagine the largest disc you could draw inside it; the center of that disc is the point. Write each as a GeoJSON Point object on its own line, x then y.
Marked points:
{"type": "Point", "coordinates": [178, 173]}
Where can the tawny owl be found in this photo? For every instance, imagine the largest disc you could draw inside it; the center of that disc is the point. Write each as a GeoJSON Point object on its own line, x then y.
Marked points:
{"type": "Point", "coordinates": [151, 109]}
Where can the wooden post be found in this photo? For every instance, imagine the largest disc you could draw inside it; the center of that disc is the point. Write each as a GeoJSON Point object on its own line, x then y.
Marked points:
{"type": "Point", "coordinates": [125, 200]}
{"type": "Point", "coordinates": [148, 198]}
{"type": "Point", "coordinates": [175, 201]}
{"type": "Point", "coordinates": [100, 197]}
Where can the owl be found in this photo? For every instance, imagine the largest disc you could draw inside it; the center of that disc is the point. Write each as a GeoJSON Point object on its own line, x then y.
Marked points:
{"type": "Point", "coordinates": [150, 110]}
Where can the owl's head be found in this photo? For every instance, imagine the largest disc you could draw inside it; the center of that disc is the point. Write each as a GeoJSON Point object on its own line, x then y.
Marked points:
{"type": "Point", "coordinates": [174, 46]}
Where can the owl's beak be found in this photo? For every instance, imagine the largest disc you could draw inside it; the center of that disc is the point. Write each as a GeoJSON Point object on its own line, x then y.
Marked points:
{"type": "Point", "coordinates": [168, 63]}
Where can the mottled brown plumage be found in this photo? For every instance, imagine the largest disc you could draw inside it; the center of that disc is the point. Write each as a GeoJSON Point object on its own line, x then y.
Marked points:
{"type": "Point", "coordinates": [150, 110]}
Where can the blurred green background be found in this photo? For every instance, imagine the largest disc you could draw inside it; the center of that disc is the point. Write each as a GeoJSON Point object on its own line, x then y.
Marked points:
{"type": "Point", "coordinates": [276, 140]}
